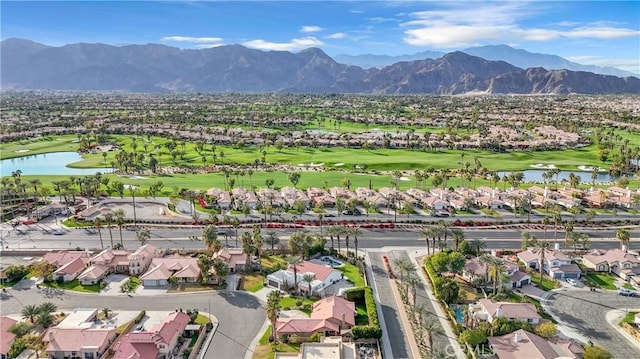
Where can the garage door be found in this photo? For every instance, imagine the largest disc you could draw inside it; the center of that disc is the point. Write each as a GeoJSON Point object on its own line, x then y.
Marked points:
{"type": "Point", "coordinates": [273, 283]}
{"type": "Point", "coordinates": [572, 275]}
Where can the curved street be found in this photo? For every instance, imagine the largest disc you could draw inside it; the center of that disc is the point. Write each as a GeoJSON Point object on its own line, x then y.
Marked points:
{"type": "Point", "coordinates": [584, 313]}
{"type": "Point", "coordinates": [240, 314]}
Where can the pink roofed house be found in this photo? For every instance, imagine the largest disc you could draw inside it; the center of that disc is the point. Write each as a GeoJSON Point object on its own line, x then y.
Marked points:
{"type": "Point", "coordinates": [488, 310]}
{"type": "Point", "coordinates": [6, 337]}
{"type": "Point", "coordinates": [186, 269]}
{"type": "Point", "coordinates": [330, 316]}
{"type": "Point", "coordinates": [235, 258]}
{"type": "Point", "coordinates": [158, 343]}
{"type": "Point", "coordinates": [623, 264]}
{"type": "Point", "coordinates": [71, 270]}
{"type": "Point", "coordinates": [88, 343]}
{"type": "Point", "coordinates": [523, 344]}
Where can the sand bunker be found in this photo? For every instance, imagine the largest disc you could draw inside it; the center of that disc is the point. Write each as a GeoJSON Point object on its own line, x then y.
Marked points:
{"type": "Point", "coordinates": [404, 179]}
{"type": "Point", "coordinates": [590, 168]}
{"type": "Point", "coordinates": [541, 166]}
{"type": "Point", "coordinates": [137, 177]}
{"type": "Point", "coordinates": [340, 164]}
{"type": "Point", "coordinates": [316, 164]}
{"type": "Point", "coordinates": [22, 151]}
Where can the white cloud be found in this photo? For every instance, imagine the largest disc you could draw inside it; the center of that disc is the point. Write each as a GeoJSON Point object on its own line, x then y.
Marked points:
{"type": "Point", "coordinates": [337, 35]}
{"type": "Point", "coordinates": [197, 40]}
{"type": "Point", "coordinates": [460, 25]}
{"type": "Point", "coordinates": [632, 65]}
{"type": "Point", "coordinates": [309, 29]}
{"type": "Point", "coordinates": [293, 45]}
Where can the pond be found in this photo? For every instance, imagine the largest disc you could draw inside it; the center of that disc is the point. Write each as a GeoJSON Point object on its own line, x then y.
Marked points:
{"type": "Point", "coordinates": [585, 177]}
{"type": "Point", "coordinates": [47, 164]}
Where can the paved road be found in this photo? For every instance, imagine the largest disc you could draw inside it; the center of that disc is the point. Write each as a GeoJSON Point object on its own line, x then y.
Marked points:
{"type": "Point", "coordinates": [378, 238]}
{"type": "Point", "coordinates": [395, 331]}
{"type": "Point", "coordinates": [240, 314]}
{"type": "Point", "coordinates": [584, 312]}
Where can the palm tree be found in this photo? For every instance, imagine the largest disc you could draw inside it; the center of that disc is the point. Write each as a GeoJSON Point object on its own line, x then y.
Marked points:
{"type": "Point", "coordinates": [431, 327]}
{"type": "Point", "coordinates": [98, 224]}
{"type": "Point", "coordinates": [543, 246]}
{"type": "Point", "coordinates": [458, 237]}
{"type": "Point", "coordinates": [30, 312]}
{"type": "Point", "coordinates": [47, 307]}
{"type": "Point", "coordinates": [210, 238]}
{"type": "Point", "coordinates": [496, 268]}
{"type": "Point", "coordinates": [412, 282]}
{"type": "Point", "coordinates": [272, 239]}
{"type": "Point", "coordinates": [426, 234]}
{"type": "Point", "coordinates": [119, 216]}
{"type": "Point", "coordinates": [478, 245]}
{"type": "Point", "coordinates": [44, 319]}
{"type": "Point", "coordinates": [623, 236]}
{"type": "Point", "coordinates": [108, 217]}
{"type": "Point", "coordinates": [403, 266]}
{"type": "Point", "coordinates": [308, 278]}
{"type": "Point", "coordinates": [273, 310]}
{"type": "Point", "coordinates": [293, 262]}
{"type": "Point", "coordinates": [106, 312]}
{"type": "Point", "coordinates": [355, 232]}
{"type": "Point", "coordinates": [143, 235]}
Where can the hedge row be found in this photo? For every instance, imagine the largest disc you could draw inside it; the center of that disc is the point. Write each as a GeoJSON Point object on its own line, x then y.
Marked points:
{"type": "Point", "coordinates": [432, 276]}
{"type": "Point", "coordinates": [372, 330]}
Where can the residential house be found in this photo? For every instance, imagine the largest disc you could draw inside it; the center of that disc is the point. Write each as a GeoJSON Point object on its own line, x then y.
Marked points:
{"type": "Point", "coordinates": [329, 347]}
{"type": "Point", "coordinates": [488, 202]}
{"type": "Point", "coordinates": [61, 258]}
{"type": "Point", "coordinates": [477, 268]}
{"type": "Point", "coordinates": [185, 269]}
{"type": "Point", "coordinates": [434, 203]}
{"type": "Point", "coordinates": [222, 198]}
{"type": "Point", "coordinates": [320, 197]}
{"type": "Point", "coordinates": [324, 276]}
{"type": "Point", "coordinates": [86, 343]}
{"type": "Point", "coordinates": [624, 197]}
{"type": "Point", "coordinates": [102, 264]}
{"type": "Point", "coordinates": [140, 260]}
{"type": "Point", "coordinates": [342, 192]}
{"type": "Point", "coordinates": [241, 197]}
{"type": "Point", "coordinates": [488, 310]}
{"type": "Point", "coordinates": [623, 264]}
{"type": "Point", "coordinates": [70, 270]}
{"type": "Point", "coordinates": [523, 344]}
{"type": "Point", "coordinates": [557, 264]}
{"type": "Point", "coordinates": [329, 316]}
{"type": "Point", "coordinates": [6, 337]}
{"type": "Point", "coordinates": [270, 197]}
{"type": "Point", "coordinates": [291, 195]}
{"type": "Point", "coordinates": [159, 343]}
{"type": "Point", "coordinates": [235, 258]}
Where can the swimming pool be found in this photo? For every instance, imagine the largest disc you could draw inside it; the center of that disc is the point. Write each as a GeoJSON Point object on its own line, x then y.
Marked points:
{"type": "Point", "coordinates": [459, 315]}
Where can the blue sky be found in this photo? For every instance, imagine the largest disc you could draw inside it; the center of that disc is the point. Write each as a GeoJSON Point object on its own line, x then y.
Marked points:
{"type": "Point", "coordinates": [602, 33]}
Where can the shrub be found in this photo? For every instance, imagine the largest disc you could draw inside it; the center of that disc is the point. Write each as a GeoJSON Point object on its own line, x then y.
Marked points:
{"type": "Point", "coordinates": [298, 302]}
{"type": "Point", "coordinates": [366, 331]}
{"type": "Point", "coordinates": [355, 294]}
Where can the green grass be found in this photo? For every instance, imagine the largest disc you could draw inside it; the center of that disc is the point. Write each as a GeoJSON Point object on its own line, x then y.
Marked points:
{"type": "Point", "coordinates": [72, 223]}
{"type": "Point", "coordinates": [361, 314]}
{"type": "Point", "coordinates": [202, 319]}
{"type": "Point", "coordinates": [546, 283]}
{"type": "Point", "coordinates": [252, 282]}
{"type": "Point", "coordinates": [134, 282]}
{"type": "Point", "coordinates": [290, 302]}
{"type": "Point", "coordinates": [271, 261]}
{"type": "Point", "coordinates": [264, 339]}
{"type": "Point", "coordinates": [629, 318]}
{"type": "Point", "coordinates": [378, 159]}
{"type": "Point", "coordinates": [628, 286]}
{"type": "Point", "coordinates": [602, 280]}
{"type": "Point", "coordinates": [352, 273]}
{"type": "Point", "coordinates": [74, 285]}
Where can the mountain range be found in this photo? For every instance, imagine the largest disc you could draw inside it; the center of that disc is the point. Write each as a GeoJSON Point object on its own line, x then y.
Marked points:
{"type": "Point", "coordinates": [234, 68]}
{"type": "Point", "coordinates": [517, 57]}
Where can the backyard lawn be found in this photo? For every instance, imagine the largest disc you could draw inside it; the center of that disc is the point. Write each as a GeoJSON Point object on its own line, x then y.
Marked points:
{"type": "Point", "coordinates": [269, 263]}
{"type": "Point", "coordinates": [361, 314]}
{"type": "Point", "coordinates": [604, 281]}
{"type": "Point", "coordinates": [290, 302]}
{"type": "Point", "coordinates": [352, 273]}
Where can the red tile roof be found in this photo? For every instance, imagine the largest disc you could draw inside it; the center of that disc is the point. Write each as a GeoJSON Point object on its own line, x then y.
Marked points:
{"type": "Point", "coordinates": [6, 337]}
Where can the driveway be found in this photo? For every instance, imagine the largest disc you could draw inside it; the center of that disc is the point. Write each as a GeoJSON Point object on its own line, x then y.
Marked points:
{"type": "Point", "coordinates": [114, 281]}
{"type": "Point", "coordinates": [583, 313]}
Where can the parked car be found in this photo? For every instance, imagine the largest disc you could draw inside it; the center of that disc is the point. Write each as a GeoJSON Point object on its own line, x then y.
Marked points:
{"type": "Point", "coordinates": [327, 215]}
{"type": "Point", "coordinates": [572, 281]}
{"type": "Point", "coordinates": [627, 292]}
